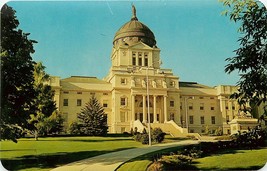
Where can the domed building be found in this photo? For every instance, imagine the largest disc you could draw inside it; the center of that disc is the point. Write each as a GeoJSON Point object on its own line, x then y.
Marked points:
{"type": "Point", "coordinates": [138, 93]}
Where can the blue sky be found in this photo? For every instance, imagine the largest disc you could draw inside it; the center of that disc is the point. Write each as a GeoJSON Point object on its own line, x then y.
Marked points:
{"type": "Point", "coordinates": [75, 38]}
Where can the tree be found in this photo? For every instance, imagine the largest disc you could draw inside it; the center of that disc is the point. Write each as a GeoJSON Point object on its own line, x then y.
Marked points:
{"type": "Point", "coordinates": [43, 103]}
{"type": "Point", "coordinates": [251, 57]}
{"type": "Point", "coordinates": [17, 89]}
{"type": "Point", "coordinates": [92, 119]}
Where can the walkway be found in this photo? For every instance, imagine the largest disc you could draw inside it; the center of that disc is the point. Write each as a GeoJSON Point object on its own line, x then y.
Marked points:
{"type": "Point", "coordinates": [110, 161]}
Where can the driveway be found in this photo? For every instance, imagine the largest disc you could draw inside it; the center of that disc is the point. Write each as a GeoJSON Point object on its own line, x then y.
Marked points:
{"type": "Point", "coordinates": [111, 161]}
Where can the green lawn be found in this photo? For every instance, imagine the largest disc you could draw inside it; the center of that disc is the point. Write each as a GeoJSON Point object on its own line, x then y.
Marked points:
{"type": "Point", "coordinates": [225, 160]}
{"type": "Point", "coordinates": [234, 160]}
{"type": "Point", "coordinates": [48, 153]}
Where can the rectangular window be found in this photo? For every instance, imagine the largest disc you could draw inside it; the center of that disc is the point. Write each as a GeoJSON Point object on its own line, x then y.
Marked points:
{"type": "Point", "coordinates": [190, 106]}
{"type": "Point", "coordinates": [212, 108]}
{"type": "Point", "coordinates": [181, 105]}
{"type": "Point", "coordinates": [123, 101]}
{"type": "Point", "coordinates": [201, 97]}
{"type": "Point", "coordinates": [213, 120]}
{"type": "Point", "coordinates": [191, 119]}
{"type": "Point", "coordinates": [202, 120]}
{"type": "Point", "coordinates": [79, 92]}
{"type": "Point", "coordinates": [105, 94]}
{"type": "Point", "coordinates": [140, 61]}
{"type": "Point", "coordinates": [201, 106]}
{"type": "Point", "coordinates": [65, 102]}
{"type": "Point", "coordinates": [79, 102]}
{"type": "Point", "coordinates": [233, 107]}
{"type": "Point", "coordinates": [146, 62]}
{"type": "Point", "coordinates": [171, 103]}
{"type": "Point", "coordinates": [123, 80]}
{"type": "Point", "coordinates": [134, 61]}
{"type": "Point", "coordinates": [211, 97]}
{"type": "Point", "coordinates": [105, 105]}
{"type": "Point", "coordinates": [65, 92]}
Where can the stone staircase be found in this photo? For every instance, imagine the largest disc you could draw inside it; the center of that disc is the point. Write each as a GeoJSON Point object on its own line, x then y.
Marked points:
{"type": "Point", "coordinates": [171, 128]}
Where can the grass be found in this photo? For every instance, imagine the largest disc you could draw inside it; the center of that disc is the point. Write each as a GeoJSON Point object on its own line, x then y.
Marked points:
{"type": "Point", "coordinates": [140, 163]}
{"type": "Point", "coordinates": [233, 160]}
{"type": "Point", "coordinates": [48, 153]}
{"type": "Point", "coordinates": [224, 160]}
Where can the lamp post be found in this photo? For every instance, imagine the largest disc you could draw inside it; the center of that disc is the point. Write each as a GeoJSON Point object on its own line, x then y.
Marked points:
{"type": "Point", "coordinates": [148, 106]}
{"type": "Point", "coordinates": [147, 92]}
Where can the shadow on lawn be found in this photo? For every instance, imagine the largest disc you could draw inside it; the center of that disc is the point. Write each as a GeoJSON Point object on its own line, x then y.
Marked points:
{"type": "Point", "coordinates": [81, 140]}
{"type": "Point", "coordinates": [50, 160]}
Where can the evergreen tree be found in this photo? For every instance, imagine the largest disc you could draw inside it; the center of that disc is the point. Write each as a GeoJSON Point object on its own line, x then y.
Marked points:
{"type": "Point", "coordinates": [92, 119]}
{"type": "Point", "coordinates": [17, 91]}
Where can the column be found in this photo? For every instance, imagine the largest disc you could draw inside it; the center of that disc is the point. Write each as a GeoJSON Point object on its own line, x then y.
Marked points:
{"type": "Point", "coordinates": [155, 109]}
{"type": "Point", "coordinates": [133, 108]}
{"type": "Point", "coordinates": [165, 108]}
{"type": "Point", "coordinates": [144, 109]}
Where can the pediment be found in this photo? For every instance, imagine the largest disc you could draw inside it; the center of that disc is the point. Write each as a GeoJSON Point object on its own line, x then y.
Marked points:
{"type": "Point", "coordinates": [140, 45]}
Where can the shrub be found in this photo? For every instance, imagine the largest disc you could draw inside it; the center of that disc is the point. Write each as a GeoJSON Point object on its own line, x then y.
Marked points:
{"type": "Point", "coordinates": [157, 135]}
{"type": "Point", "coordinates": [74, 128]}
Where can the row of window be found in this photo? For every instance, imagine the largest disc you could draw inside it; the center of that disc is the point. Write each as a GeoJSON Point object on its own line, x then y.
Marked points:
{"type": "Point", "coordinates": [202, 120]}
{"type": "Point", "coordinates": [79, 92]}
{"type": "Point", "coordinates": [137, 59]}
{"type": "Point", "coordinates": [79, 102]}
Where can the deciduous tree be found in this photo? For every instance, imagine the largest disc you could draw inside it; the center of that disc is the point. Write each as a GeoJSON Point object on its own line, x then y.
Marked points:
{"type": "Point", "coordinates": [17, 91]}
{"type": "Point", "coordinates": [251, 57]}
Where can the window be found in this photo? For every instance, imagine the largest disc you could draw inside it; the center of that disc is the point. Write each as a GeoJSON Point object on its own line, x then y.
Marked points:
{"type": "Point", "coordinates": [191, 131]}
{"type": "Point", "coordinates": [123, 80]}
{"type": "Point", "coordinates": [202, 120]}
{"type": "Point", "coordinates": [105, 94]}
{"type": "Point", "coordinates": [65, 102]}
{"type": "Point", "coordinates": [134, 61]}
{"type": "Point", "coordinates": [191, 119]}
{"type": "Point", "coordinates": [201, 97]}
{"type": "Point", "coordinates": [213, 120]}
{"type": "Point", "coordinates": [146, 62]}
{"type": "Point", "coordinates": [79, 92]}
{"type": "Point", "coordinates": [79, 102]}
{"type": "Point", "coordinates": [123, 101]}
{"type": "Point", "coordinates": [134, 58]}
{"type": "Point", "coordinates": [139, 61]}
{"type": "Point", "coordinates": [211, 108]}
{"type": "Point", "coordinates": [211, 97]}
{"type": "Point", "coordinates": [172, 116]}
{"type": "Point", "coordinates": [65, 92]}
{"type": "Point", "coordinates": [201, 106]}
{"type": "Point", "coordinates": [92, 93]}
{"type": "Point", "coordinates": [181, 105]}
{"type": "Point", "coordinates": [171, 103]}
{"type": "Point", "coordinates": [190, 106]}
{"type": "Point", "coordinates": [105, 105]}
{"type": "Point", "coordinates": [233, 107]}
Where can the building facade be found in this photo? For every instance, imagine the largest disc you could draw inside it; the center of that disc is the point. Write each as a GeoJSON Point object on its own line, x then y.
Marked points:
{"type": "Point", "coordinates": [137, 91]}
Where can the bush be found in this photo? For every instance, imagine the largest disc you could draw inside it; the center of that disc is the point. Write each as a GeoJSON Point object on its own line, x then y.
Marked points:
{"type": "Point", "coordinates": [74, 128]}
{"type": "Point", "coordinates": [157, 135]}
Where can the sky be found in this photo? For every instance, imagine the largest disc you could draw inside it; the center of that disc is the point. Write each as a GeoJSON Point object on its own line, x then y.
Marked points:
{"type": "Point", "coordinates": [75, 38]}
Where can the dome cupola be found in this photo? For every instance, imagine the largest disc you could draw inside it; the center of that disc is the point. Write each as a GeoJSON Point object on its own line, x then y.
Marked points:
{"type": "Point", "coordinates": [133, 32]}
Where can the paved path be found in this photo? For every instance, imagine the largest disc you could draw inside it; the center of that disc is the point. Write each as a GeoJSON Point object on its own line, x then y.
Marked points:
{"type": "Point", "coordinates": [110, 161]}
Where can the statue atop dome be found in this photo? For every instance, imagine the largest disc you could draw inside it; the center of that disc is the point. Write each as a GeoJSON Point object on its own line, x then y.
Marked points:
{"type": "Point", "coordinates": [134, 13]}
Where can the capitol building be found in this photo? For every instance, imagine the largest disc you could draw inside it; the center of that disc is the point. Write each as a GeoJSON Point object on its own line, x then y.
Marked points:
{"type": "Point", "coordinates": [137, 91]}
